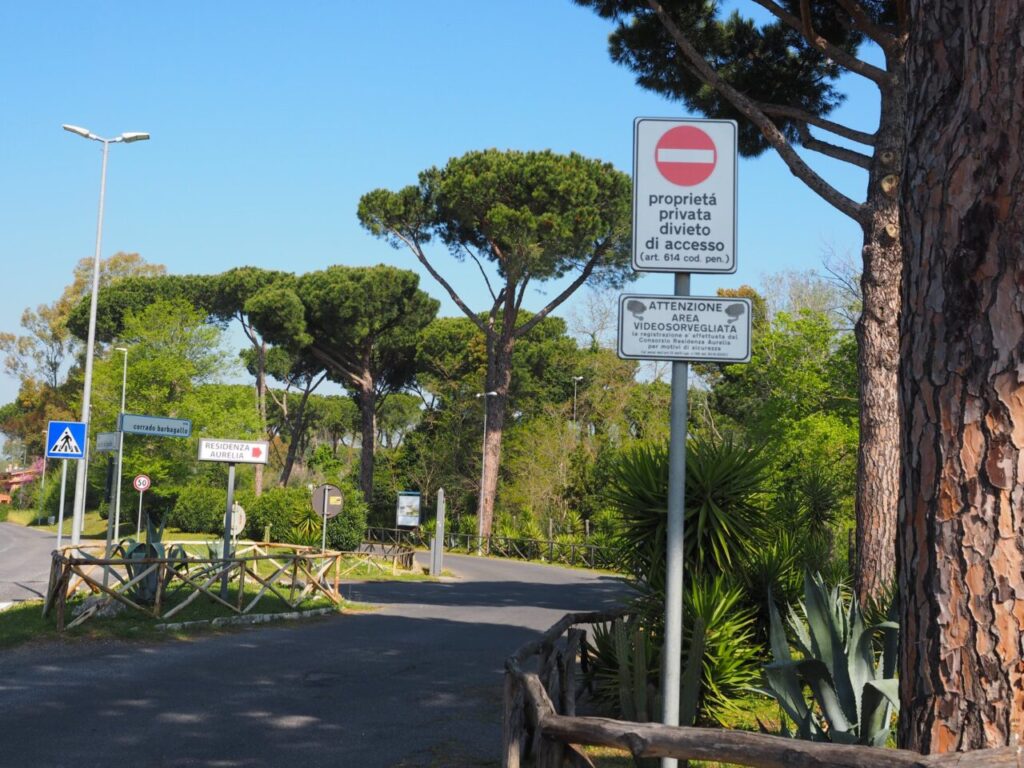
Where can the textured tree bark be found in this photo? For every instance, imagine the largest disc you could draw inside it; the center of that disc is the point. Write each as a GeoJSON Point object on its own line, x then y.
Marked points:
{"type": "Point", "coordinates": [878, 452]}
{"type": "Point", "coordinates": [261, 407]}
{"type": "Point", "coordinates": [961, 567]}
{"type": "Point", "coordinates": [499, 380]}
{"type": "Point", "coordinates": [368, 434]}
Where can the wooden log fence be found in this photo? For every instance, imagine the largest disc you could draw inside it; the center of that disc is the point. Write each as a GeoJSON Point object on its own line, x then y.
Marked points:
{"type": "Point", "coordinates": [540, 728]}
{"type": "Point", "coordinates": [291, 573]}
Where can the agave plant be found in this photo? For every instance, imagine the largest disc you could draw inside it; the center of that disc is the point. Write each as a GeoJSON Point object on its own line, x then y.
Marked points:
{"type": "Point", "coordinates": [855, 693]}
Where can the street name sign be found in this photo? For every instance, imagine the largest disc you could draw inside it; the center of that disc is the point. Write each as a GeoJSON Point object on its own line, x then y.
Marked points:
{"type": "Point", "coordinates": [65, 440]}
{"type": "Point", "coordinates": [684, 195]}
{"type": "Point", "coordinates": [155, 426]}
{"type": "Point", "coordinates": [710, 329]}
{"type": "Point", "coordinates": [233, 451]}
{"type": "Point", "coordinates": [107, 442]}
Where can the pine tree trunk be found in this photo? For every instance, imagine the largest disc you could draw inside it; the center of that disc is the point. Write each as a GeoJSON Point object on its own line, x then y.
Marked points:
{"type": "Point", "coordinates": [496, 407]}
{"type": "Point", "coordinates": [368, 434]}
{"type": "Point", "coordinates": [261, 407]}
{"type": "Point", "coordinates": [878, 452]}
{"type": "Point", "coordinates": [961, 569]}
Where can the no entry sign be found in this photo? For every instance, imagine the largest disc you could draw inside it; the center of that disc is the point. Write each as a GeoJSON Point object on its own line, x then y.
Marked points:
{"type": "Point", "coordinates": [684, 195]}
{"type": "Point", "coordinates": [685, 155]}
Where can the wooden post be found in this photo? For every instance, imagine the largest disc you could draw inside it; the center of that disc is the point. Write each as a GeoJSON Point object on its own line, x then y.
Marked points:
{"type": "Point", "coordinates": [512, 723]}
{"type": "Point", "coordinates": [241, 583]}
{"type": "Point", "coordinates": [159, 589]}
{"type": "Point", "coordinates": [337, 574]}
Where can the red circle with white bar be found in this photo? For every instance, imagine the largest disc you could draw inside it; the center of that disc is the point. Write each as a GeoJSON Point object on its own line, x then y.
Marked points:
{"type": "Point", "coordinates": [141, 483]}
{"type": "Point", "coordinates": [685, 155]}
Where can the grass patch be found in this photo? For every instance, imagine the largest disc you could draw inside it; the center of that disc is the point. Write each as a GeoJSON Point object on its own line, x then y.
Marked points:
{"type": "Point", "coordinates": [24, 622]}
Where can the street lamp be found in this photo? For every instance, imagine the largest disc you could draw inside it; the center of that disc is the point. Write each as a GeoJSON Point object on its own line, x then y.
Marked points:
{"type": "Point", "coordinates": [483, 475]}
{"type": "Point", "coordinates": [575, 380]}
{"type": "Point", "coordinates": [124, 138]}
{"type": "Point", "coordinates": [120, 442]}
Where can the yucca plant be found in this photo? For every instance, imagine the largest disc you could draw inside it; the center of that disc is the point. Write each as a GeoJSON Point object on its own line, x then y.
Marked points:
{"type": "Point", "coordinates": [854, 693]}
{"type": "Point", "coordinates": [723, 480]}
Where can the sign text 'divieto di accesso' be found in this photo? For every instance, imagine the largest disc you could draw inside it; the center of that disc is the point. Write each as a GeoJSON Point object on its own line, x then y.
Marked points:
{"type": "Point", "coordinates": [689, 328]}
{"type": "Point", "coordinates": [684, 195]}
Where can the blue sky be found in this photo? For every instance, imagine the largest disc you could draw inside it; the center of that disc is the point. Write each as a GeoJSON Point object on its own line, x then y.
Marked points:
{"type": "Point", "coordinates": [270, 120]}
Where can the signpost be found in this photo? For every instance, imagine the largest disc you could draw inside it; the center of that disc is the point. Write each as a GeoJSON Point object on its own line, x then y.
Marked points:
{"type": "Point", "coordinates": [684, 221]}
{"type": "Point", "coordinates": [231, 452]}
{"type": "Point", "coordinates": [154, 426]}
{"type": "Point", "coordinates": [693, 328]}
{"type": "Point", "coordinates": [108, 442]}
{"type": "Point", "coordinates": [327, 502]}
{"type": "Point", "coordinates": [65, 440]}
{"type": "Point", "coordinates": [407, 510]}
{"type": "Point", "coordinates": [684, 195]}
{"type": "Point", "coordinates": [141, 483]}
{"type": "Point", "coordinates": [437, 544]}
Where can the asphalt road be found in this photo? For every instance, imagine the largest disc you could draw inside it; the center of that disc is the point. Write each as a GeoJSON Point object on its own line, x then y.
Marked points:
{"type": "Point", "coordinates": [24, 562]}
{"type": "Point", "coordinates": [413, 684]}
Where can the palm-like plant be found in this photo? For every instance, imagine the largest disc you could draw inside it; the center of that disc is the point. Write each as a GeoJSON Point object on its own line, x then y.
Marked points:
{"type": "Point", "coordinates": [723, 480]}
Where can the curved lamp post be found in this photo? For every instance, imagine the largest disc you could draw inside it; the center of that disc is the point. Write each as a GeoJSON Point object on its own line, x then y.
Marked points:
{"type": "Point", "coordinates": [124, 138]}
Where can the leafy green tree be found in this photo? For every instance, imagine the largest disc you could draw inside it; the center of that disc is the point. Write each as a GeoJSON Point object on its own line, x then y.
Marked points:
{"type": "Point", "coordinates": [361, 324]}
{"type": "Point", "coordinates": [778, 78]}
{"type": "Point", "coordinates": [536, 217]}
{"type": "Point", "coordinates": [176, 362]}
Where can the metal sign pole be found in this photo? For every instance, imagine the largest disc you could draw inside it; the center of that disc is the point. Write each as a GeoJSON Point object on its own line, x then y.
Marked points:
{"type": "Point", "coordinates": [227, 530]}
{"type": "Point", "coordinates": [63, 487]}
{"type": "Point", "coordinates": [323, 542]}
{"type": "Point", "coordinates": [673, 647]}
{"type": "Point", "coordinates": [138, 524]}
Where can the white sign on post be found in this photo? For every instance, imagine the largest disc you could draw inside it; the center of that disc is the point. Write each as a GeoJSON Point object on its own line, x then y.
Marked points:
{"type": "Point", "coordinates": [710, 329]}
{"type": "Point", "coordinates": [233, 451]}
{"type": "Point", "coordinates": [684, 195]}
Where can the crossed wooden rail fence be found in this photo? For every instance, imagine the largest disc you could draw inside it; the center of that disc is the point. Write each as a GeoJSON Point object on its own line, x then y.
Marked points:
{"type": "Point", "coordinates": [292, 573]}
{"type": "Point", "coordinates": [540, 726]}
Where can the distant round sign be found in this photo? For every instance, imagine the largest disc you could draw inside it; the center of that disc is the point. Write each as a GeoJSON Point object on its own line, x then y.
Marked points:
{"type": "Point", "coordinates": [685, 155]}
{"type": "Point", "coordinates": [237, 519]}
{"type": "Point", "coordinates": [141, 483]}
{"type": "Point", "coordinates": [327, 497]}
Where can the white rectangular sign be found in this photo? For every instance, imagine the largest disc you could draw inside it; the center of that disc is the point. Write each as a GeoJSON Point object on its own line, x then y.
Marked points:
{"type": "Point", "coordinates": [684, 195]}
{"type": "Point", "coordinates": [155, 426]}
{"type": "Point", "coordinates": [233, 451]}
{"type": "Point", "coordinates": [107, 442]}
{"type": "Point", "coordinates": [407, 511]}
{"type": "Point", "coordinates": [711, 329]}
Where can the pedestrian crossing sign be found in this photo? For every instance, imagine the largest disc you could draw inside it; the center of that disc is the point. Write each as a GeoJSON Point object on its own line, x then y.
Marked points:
{"type": "Point", "coordinates": [65, 440]}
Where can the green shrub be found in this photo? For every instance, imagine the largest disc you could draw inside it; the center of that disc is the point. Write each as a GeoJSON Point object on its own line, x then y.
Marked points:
{"type": "Point", "coordinates": [199, 509]}
{"type": "Point", "coordinates": [346, 531]}
{"type": "Point", "coordinates": [281, 509]}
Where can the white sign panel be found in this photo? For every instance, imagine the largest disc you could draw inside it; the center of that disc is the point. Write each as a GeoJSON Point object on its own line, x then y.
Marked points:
{"type": "Point", "coordinates": [684, 195]}
{"type": "Point", "coordinates": [710, 329]}
{"type": "Point", "coordinates": [157, 426]}
{"type": "Point", "coordinates": [107, 442]}
{"type": "Point", "coordinates": [233, 451]}
{"type": "Point", "coordinates": [407, 513]}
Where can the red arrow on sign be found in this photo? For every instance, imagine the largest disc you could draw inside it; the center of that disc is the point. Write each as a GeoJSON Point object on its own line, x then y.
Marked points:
{"type": "Point", "coordinates": [685, 155]}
